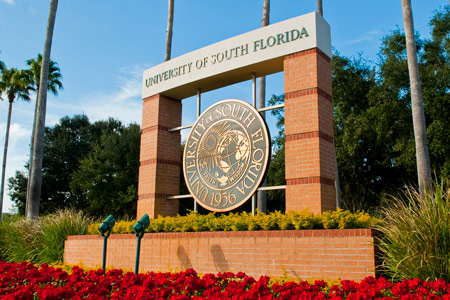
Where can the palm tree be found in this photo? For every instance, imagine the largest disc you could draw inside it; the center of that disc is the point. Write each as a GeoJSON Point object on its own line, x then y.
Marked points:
{"type": "Point", "coordinates": [420, 130]}
{"type": "Point", "coordinates": [14, 84]}
{"type": "Point", "coordinates": [54, 84]}
{"type": "Point", "coordinates": [34, 75]}
{"type": "Point", "coordinates": [319, 7]}
{"type": "Point", "coordinates": [169, 31]}
{"type": "Point", "coordinates": [336, 182]}
{"type": "Point", "coordinates": [261, 198]}
{"type": "Point", "coordinates": [32, 210]}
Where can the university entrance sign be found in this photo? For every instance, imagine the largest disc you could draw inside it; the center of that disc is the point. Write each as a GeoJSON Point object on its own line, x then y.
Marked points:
{"type": "Point", "coordinates": [228, 149]}
{"type": "Point", "coordinates": [226, 155]}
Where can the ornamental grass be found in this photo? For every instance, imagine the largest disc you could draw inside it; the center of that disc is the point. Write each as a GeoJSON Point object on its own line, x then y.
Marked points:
{"type": "Point", "coordinates": [416, 234]}
{"type": "Point", "coordinates": [40, 240]}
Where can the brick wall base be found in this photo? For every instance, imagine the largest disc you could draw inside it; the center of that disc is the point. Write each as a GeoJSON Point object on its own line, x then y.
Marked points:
{"type": "Point", "coordinates": [327, 254]}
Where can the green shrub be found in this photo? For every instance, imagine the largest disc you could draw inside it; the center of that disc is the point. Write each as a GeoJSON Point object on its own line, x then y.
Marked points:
{"type": "Point", "coordinates": [416, 235]}
{"type": "Point", "coordinates": [340, 219]}
{"type": "Point", "coordinates": [41, 240]}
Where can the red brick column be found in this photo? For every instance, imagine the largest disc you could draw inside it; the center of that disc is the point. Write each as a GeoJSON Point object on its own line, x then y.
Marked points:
{"type": "Point", "coordinates": [310, 167]}
{"type": "Point", "coordinates": [159, 172]}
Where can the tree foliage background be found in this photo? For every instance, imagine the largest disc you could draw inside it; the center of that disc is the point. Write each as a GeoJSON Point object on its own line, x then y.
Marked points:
{"type": "Point", "coordinates": [88, 166]}
{"type": "Point", "coordinates": [94, 166]}
{"type": "Point", "coordinates": [373, 122]}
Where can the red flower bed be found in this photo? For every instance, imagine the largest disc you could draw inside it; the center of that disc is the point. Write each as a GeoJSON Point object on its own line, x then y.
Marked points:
{"type": "Point", "coordinates": [26, 281]}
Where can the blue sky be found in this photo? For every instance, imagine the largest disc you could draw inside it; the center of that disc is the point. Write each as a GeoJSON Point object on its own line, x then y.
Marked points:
{"type": "Point", "coordinates": [102, 48]}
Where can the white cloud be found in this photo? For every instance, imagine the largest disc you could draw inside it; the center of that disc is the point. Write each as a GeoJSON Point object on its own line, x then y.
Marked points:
{"type": "Point", "coordinates": [18, 151]}
{"type": "Point", "coordinates": [8, 1]}
{"type": "Point", "coordinates": [368, 36]}
{"type": "Point", "coordinates": [123, 103]}
{"type": "Point", "coordinates": [17, 134]}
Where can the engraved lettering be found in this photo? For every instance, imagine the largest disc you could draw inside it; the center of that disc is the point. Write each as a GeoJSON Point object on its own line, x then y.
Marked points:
{"type": "Point", "coordinates": [192, 173]}
{"type": "Point", "coordinates": [258, 136]}
{"type": "Point", "coordinates": [226, 112]}
{"type": "Point", "coordinates": [209, 119]}
{"type": "Point", "coordinates": [190, 165]}
{"type": "Point", "coordinates": [218, 113]}
{"type": "Point", "coordinates": [249, 120]}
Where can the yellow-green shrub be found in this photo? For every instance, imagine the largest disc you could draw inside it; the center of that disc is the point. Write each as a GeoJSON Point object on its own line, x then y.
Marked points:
{"type": "Point", "coordinates": [344, 219]}
{"type": "Point", "coordinates": [304, 220]}
{"type": "Point", "coordinates": [119, 227]}
{"type": "Point", "coordinates": [340, 219]}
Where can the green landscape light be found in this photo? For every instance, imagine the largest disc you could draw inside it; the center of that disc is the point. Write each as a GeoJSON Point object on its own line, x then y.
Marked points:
{"type": "Point", "coordinates": [140, 225]}
{"type": "Point", "coordinates": [105, 231]}
{"type": "Point", "coordinates": [107, 225]}
{"type": "Point", "coordinates": [139, 229]}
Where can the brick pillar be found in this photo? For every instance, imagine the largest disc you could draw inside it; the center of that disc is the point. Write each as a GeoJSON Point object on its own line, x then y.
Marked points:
{"type": "Point", "coordinates": [310, 167]}
{"type": "Point", "coordinates": [159, 172]}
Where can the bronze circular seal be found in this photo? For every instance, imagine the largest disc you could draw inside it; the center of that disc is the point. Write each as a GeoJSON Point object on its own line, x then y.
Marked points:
{"type": "Point", "coordinates": [226, 155]}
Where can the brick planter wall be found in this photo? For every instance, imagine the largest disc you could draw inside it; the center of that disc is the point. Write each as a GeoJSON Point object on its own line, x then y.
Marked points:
{"type": "Point", "coordinates": [328, 254]}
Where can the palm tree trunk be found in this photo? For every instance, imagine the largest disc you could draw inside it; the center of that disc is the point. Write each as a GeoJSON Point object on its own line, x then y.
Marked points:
{"type": "Point", "coordinates": [319, 7]}
{"type": "Point", "coordinates": [5, 152]}
{"type": "Point", "coordinates": [38, 144]}
{"type": "Point", "coordinates": [420, 131]}
{"type": "Point", "coordinates": [336, 182]}
{"type": "Point", "coordinates": [262, 196]}
{"type": "Point", "coordinates": [169, 31]}
{"type": "Point", "coordinates": [30, 163]}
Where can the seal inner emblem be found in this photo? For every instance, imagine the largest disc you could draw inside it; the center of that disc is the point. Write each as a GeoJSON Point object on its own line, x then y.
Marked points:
{"type": "Point", "coordinates": [226, 155]}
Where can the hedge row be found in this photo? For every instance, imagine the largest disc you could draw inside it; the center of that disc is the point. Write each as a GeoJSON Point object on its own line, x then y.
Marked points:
{"type": "Point", "coordinates": [194, 222]}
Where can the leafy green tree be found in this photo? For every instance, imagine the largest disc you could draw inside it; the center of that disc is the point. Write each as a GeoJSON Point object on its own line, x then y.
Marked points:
{"type": "Point", "coordinates": [14, 85]}
{"type": "Point", "coordinates": [435, 77]}
{"type": "Point", "coordinates": [17, 186]}
{"type": "Point", "coordinates": [108, 176]}
{"type": "Point", "coordinates": [434, 72]}
{"type": "Point", "coordinates": [370, 133]}
{"type": "Point", "coordinates": [66, 144]}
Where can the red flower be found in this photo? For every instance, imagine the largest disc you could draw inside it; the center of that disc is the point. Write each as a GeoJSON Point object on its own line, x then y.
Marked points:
{"type": "Point", "coordinates": [26, 281]}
